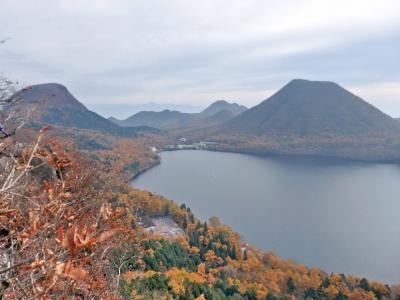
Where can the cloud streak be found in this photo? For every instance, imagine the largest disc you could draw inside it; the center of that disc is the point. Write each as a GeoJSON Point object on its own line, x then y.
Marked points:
{"type": "Point", "coordinates": [121, 51]}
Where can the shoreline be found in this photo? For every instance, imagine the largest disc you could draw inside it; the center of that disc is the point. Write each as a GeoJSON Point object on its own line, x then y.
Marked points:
{"type": "Point", "coordinates": [272, 154]}
{"type": "Point", "coordinates": [276, 154]}
{"type": "Point", "coordinates": [131, 178]}
{"type": "Point", "coordinates": [236, 229]}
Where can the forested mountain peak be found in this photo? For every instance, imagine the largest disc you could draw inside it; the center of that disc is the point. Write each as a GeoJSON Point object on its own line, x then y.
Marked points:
{"type": "Point", "coordinates": [309, 108]}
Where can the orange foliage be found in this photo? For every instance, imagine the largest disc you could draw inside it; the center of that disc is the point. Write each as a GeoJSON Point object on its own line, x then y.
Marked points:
{"type": "Point", "coordinates": [62, 224]}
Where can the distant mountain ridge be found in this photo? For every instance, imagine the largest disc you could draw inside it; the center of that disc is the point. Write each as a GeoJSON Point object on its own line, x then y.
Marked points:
{"type": "Point", "coordinates": [217, 113]}
{"type": "Point", "coordinates": [304, 117]}
{"type": "Point", "coordinates": [52, 103]}
{"type": "Point", "coordinates": [312, 108]}
{"type": "Point", "coordinates": [220, 105]}
{"type": "Point", "coordinates": [122, 111]}
{"type": "Point", "coordinates": [166, 119]}
{"type": "Point", "coordinates": [313, 118]}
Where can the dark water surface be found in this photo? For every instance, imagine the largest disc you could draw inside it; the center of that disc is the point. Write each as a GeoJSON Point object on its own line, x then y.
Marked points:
{"type": "Point", "coordinates": [341, 216]}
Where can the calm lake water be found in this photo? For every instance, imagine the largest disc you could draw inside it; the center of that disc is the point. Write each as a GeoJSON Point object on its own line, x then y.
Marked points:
{"type": "Point", "coordinates": [337, 215]}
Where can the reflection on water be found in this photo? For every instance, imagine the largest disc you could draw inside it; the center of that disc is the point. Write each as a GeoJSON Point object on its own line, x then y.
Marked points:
{"type": "Point", "coordinates": [337, 215]}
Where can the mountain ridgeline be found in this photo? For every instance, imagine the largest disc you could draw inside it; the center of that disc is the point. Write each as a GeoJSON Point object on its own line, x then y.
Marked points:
{"type": "Point", "coordinates": [217, 113]}
{"type": "Point", "coordinates": [53, 104]}
{"type": "Point", "coordinates": [222, 105]}
{"type": "Point", "coordinates": [316, 118]}
{"type": "Point", "coordinates": [312, 108]}
{"type": "Point", "coordinates": [303, 118]}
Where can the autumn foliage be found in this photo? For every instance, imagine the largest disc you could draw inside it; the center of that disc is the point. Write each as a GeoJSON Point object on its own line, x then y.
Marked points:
{"type": "Point", "coordinates": [71, 229]}
{"type": "Point", "coordinates": [210, 262]}
{"type": "Point", "coordinates": [56, 224]}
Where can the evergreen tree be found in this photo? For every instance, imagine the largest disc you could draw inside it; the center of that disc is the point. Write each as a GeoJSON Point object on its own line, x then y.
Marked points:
{"type": "Point", "coordinates": [291, 286]}
{"type": "Point", "coordinates": [270, 296]}
{"type": "Point", "coordinates": [185, 224]}
{"type": "Point", "coordinates": [198, 225]}
{"type": "Point", "coordinates": [166, 209]}
{"type": "Point", "coordinates": [340, 296]}
{"type": "Point", "coordinates": [326, 283]}
{"type": "Point", "coordinates": [250, 294]}
{"type": "Point", "coordinates": [191, 217]}
{"type": "Point", "coordinates": [232, 253]}
{"type": "Point", "coordinates": [364, 284]}
{"type": "Point", "coordinates": [205, 228]}
{"type": "Point", "coordinates": [312, 293]}
{"type": "Point", "coordinates": [245, 255]}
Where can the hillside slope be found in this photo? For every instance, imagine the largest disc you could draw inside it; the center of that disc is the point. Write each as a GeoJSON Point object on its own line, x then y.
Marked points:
{"type": "Point", "coordinates": [217, 113]}
{"type": "Point", "coordinates": [315, 118]}
{"type": "Point", "coordinates": [84, 235]}
{"type": "Point", "coordinates": [53, 104]}
{"type": "Point", "coordinates": [310, 108]}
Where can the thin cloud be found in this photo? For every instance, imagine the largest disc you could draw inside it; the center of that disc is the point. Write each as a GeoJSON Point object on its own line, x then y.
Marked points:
{"type": "Point", "coordinates": [384, 95]}
{"type": "Point", "coordinates": [195, 52]}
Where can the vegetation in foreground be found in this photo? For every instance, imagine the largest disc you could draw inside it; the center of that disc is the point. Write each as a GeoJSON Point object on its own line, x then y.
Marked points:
{"type": "Point", "coordinates": [69, 229]}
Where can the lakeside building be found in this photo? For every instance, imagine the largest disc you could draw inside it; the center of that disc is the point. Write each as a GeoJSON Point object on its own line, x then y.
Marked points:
{"type": "Point", "coordinates": [202, 145]}
{"type": "Point", "coordinates": [186, 147]}
{"type": "Point", "coordinates": [183, 140]}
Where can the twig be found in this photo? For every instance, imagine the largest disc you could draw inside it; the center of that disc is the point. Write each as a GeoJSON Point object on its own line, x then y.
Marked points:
{"type": "Point", "coordinates": [16, 265]}
{"type": "Point", "coordinates": [26, 168]}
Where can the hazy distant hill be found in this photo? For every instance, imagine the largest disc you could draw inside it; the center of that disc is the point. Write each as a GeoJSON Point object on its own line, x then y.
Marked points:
{"type": "Point", "coordinates": [122, 111]}
{"type": "Point", "coordinates": [221, 105]}
{"type": "Point", "coordinates": [53, 104]}
{"type": "Point", "coordinates": [217, 113]}
{"type": "Point", "coordinates": [310, 108]}
{"type": "Point", "coordinates": [166, 119]}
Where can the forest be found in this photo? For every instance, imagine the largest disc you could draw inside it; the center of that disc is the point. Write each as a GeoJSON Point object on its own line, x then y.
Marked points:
{"type": "Point", "coordinates": [71, 230]}
{"type": "Point", "coordinates": [266, 78]}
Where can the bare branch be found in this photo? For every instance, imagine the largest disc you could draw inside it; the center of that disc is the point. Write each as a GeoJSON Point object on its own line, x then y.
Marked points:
{"type": "Point", "coordinates": [4, 40]}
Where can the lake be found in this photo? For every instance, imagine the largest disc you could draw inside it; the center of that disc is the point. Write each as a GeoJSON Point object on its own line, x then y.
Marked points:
{"type": "Point", "coordinates": [341, 216]}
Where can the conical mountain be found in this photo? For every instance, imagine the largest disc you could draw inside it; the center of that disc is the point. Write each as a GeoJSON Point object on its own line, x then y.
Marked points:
{"type": "Point", "coordinates": [313, 108]}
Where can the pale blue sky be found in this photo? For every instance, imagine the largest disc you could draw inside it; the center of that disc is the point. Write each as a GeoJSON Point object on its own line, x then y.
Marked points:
{"type": "Point", "coordinates": [194, 52]}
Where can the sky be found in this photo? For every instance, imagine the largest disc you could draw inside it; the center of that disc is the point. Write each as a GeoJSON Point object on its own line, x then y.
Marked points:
{"type": "Point", "coordinates": [125, 52]}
